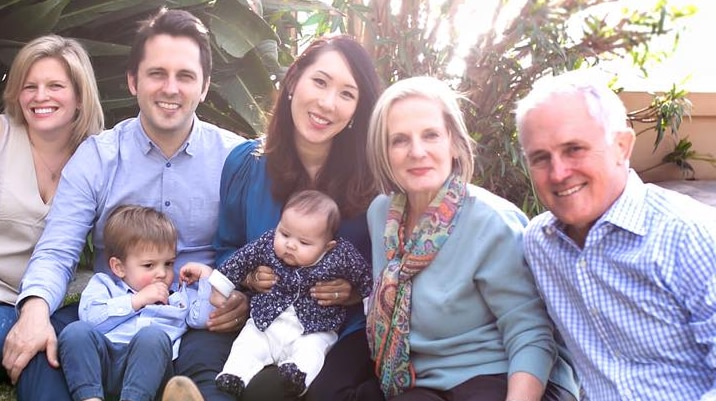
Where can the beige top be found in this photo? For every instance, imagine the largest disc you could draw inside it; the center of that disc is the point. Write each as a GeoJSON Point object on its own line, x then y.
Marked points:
{"type": "Point", "coordinates": [22, 211]}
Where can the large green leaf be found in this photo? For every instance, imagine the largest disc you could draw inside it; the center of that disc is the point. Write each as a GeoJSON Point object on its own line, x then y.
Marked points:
{"type": "Point", "coordinates": [215, 113]}
{"type": "Point", "coordinates": [244, 46]}
{"type": "Point", "coordinates": [81, 12]}
{"type": "Point", "coordinates": [31, 20]}
{"type": "Point", "coordinates": [8, 50]}
{"type": "Point", "coordinates": [267, 52]}
{"type": "Point", "coordinates": [296, 5]}
{"type": "Point", "coordinates": [235, 91]}
{"type": "Point", "coordinates": [236, 28]}
{"type": "Point", "coordinates": [119, 103]}
{"type": "Point", "coordinates": [8, 3]}
{"type": "Point", "coordinates": [98, 49]}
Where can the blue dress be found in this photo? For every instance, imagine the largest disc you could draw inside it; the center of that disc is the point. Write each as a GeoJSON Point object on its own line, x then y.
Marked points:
{"type": "Point", "coordinates": [247, 210]}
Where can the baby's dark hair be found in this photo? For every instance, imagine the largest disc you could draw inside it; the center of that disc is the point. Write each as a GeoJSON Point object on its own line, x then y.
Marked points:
{"type": "Point", "coordinates": [132, 226]}
{"type": "Point", "coordinates": [316, 202]}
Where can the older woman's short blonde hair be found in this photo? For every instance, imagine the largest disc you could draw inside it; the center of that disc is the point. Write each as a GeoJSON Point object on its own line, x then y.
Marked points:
{"type": "Point", "coordinates": [74, 58]}
{"type": "Point", "coordinates": [432, 89]}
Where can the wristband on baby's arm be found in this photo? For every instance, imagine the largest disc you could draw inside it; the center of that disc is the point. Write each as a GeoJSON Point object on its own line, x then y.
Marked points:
{"type": "Point", "coordinates": [221, 283]}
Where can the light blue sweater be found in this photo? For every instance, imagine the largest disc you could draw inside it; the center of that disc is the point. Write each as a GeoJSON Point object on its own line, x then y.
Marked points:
{"type": "Point", "coordinates": [475, 310]}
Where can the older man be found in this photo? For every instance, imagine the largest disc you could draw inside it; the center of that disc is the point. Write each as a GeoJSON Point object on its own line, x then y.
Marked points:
{"type": "Point", "coordinates": [627, 269]}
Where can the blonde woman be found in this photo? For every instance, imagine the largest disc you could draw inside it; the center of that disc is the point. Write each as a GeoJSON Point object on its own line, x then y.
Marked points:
{"type": "Point", "coordinates": [454, 313]}
{"type": "Point", "coordinates": [51, 105]}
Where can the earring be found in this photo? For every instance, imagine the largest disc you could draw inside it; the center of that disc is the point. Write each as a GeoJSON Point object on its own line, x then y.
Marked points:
{"type": "Point", "coordinates": [290, 96]}
{"type": "Point", "coordinates": [350, 124]}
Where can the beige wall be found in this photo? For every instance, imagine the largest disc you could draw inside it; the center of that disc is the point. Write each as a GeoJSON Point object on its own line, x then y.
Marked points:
{"type": "Point", "coordinates": [700, 129]}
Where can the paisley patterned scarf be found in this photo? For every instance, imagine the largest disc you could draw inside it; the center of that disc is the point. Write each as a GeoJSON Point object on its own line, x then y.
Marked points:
{"type": "Point", "coordinates": [388, 322]}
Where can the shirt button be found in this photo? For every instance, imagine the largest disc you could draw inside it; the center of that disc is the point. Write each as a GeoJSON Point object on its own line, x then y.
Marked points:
{"type": "Point", "coordinates": [167, 203]}
{"type": "Point", "coordinates": [169, 164]}
{"type": "Point", "coordinates": [582, 263]}
{"type": "Point", "coordinates": [594, 311]}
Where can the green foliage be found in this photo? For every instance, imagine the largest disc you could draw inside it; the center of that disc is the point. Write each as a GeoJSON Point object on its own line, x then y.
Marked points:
{"type": "Point", "coordinates": [87, 255]}
{"type": "Point", "coordinates": [682, 156]}
{"type": "Point", "coordinates": [254, 40]}
{"type": "Point", "coordinates": [244, 49]}
{"type": "Point", "coordinates": [7, 392]}
{"type": "Point", "coordinates": [665, 113]}
{"type": "Point", "coordinates": [526, 41]}
{"type": "Point", "coordinates": [71, 299]}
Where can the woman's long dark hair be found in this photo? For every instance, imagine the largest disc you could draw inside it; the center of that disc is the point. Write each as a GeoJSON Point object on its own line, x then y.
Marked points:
{"type": "Point", "coordinates": [345, 176]}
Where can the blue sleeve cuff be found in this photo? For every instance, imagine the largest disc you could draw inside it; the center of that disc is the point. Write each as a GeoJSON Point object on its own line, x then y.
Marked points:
{"type": "Point", "coordinates": [533, 360]}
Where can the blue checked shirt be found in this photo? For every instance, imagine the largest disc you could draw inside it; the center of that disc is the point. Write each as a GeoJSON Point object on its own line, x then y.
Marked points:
{"type": "Point", "coordinates": [637, 305]}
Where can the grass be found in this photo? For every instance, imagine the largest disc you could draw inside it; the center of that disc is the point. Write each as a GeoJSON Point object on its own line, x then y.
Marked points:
{"type": "Point", "coordinates": [7, 392]}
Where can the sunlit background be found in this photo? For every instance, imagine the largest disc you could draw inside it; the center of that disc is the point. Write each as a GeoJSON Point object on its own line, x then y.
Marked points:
{"type": "Point", "coordinates": [691, 66]}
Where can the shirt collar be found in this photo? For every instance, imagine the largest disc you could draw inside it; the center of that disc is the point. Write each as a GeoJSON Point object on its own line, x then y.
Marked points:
{"type": "Point", "coordinates": [629, 212]}
{"type": "Point", "coordinates": [122, 285]}
{"type": "Point", "coordinates": [147, 145]}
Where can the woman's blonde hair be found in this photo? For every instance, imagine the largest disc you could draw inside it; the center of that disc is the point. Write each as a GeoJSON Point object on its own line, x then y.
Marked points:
{"type": "Point", "coordinates": [428, 88]}
{"type": "Point", "coordinates": [74, 58]}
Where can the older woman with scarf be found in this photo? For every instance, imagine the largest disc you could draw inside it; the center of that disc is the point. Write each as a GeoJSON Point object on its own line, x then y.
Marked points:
{"type": "Point", "coordinates": [454, 314]}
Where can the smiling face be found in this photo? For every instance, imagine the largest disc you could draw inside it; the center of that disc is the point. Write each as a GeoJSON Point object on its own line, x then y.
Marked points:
{"type": "Point", "coordinates": [48, 99]}
{"type": "Point", "coordinates": [419, 147]}
{"type": "Point", "coordinates": [301, 239]}
{"type": "Point", "coordinates": [168, 85]}
{"type": "Point", "coordinates": [144, 266]}
{"type": "Point", "coordinates": [576, 172]}
{"type": "Point", "coordinates": [323, 100]}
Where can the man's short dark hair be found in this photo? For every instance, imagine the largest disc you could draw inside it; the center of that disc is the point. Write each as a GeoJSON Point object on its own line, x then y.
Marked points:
{"type": "Point", "coordinates": [176, 23]}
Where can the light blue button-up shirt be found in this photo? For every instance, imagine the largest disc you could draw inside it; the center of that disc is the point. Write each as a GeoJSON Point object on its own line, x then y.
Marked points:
{"type": "Point", "coordinates": [123, 166]}
{"type": "Point", "coordinates": [106, 304]}
{"type": "Point", "coordinates": [637, 305]}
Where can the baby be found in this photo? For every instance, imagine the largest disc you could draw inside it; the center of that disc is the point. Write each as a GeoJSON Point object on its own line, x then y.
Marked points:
{"type": "Point", "coordinates": [287, 326]}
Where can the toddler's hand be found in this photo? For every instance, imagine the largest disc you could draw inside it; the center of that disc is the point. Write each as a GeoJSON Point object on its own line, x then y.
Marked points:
{"type": "Point", "coordinates": [192, 272]}
{"type": "Point", "coordinates": [153, 293]}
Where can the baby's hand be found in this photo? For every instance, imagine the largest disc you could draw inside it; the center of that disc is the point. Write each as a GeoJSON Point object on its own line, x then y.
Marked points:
{"type": "Point", "coordinates": [261, 280]}
{"type": "Point", "coordinates": [192, 272]}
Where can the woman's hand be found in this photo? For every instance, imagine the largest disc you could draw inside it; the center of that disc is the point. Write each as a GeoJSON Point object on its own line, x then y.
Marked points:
{"type": "Point", "coordinates": [260, 280]}
{"type": "Point", "coordinates": [334, 292]}
{"type": "Point", "coordinates": [231, 315]}
{"type": "Point", "coordinates": [31, 334]}
{"type": "Point", "coordinates": [523, 386]}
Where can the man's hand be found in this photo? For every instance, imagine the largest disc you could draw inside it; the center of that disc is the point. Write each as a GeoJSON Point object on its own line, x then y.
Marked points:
{"type": "Point", "coordinates": [230, 315]}
{"type": "Point", "coordinates": [31, 334]}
